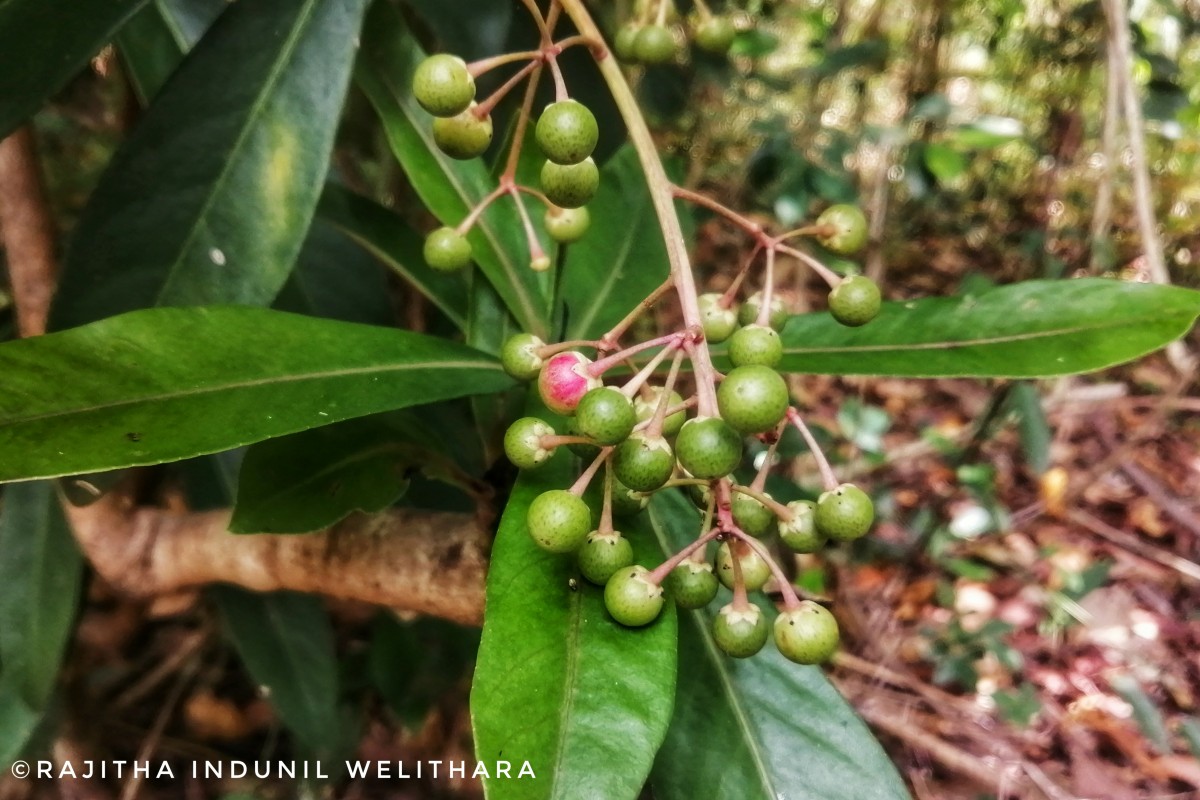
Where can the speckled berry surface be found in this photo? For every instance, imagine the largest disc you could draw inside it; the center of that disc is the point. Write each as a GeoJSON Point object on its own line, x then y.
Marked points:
{"type": "Point", "coordinates": [603, 554]}
{"type": "Point", "coordinates": [740, 633]}
{"type": "Point", "coordinates": [855, 301]}
{"type": "Point", "coordinates": [848, 228]}
{"type": "Point", "coordinates": [570, 185]}
{"type": "Point", "coordinates": [463, 136]}
{"type": "Point", "coordinates": [447, 250]}
{"type": "Point", "coordinates": [845, 513]}
{"type": "Point", "coordinates": [800, 533]}
{"type": "Point", "coordinates": [567, 225]}
{"type": "Point", "coordinates": [442, 85]}
{"type": "Point", "coordinates": [643, 462]}
{"type": "Point", "coordinates": [559, 521]}
{"type": "Point", "coordinates": [564, 381]}
{"type": "Point", "coordinates": [807, 635]}
{"type": "Point", "coordinates": [605, 416]}
{"type": "Point", "coordinates": [778, 315]}
{"type": "Point", "coordinates": [708, 448]}
{"type": "Point", "coordinates": [755, 570]}
{"type": "Point", "coordinates": [755, 344]}
{"type": "Point", "coordinates": [752, 399]}
{"type": "Point", "coordinates": [519, 356]}
{"type": "Point", "coordinates": [693, 585]}
{"type": "Point", "coordinates": [567, 132]}
{"type": "Point", "coordinates": [522, 443]}
{"type": "Point", "coordinates": [718, 322]}
{"type": "Point", "coordinates": [631, 599]}
{"type": "Point", "coordinates": [752, 516]}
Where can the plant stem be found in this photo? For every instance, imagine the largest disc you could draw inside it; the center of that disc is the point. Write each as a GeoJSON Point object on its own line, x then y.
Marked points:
{"type": "Point", "coordinates": [828, 478]}
{"type": "Point", "coordinates": [580, 485]}
{"type": "Point", "coordinates": [638, 380]}
{"type": "Point", "coordinates": [790, 601]}
{"type": "Point", "coordinates": [601, 366]}
{"type": "Point", "coordinates": [619, 329]}
{"type": "Point", "coordinates": [779, 509]}
{"type": "Point", "coordinates": [660, 573]}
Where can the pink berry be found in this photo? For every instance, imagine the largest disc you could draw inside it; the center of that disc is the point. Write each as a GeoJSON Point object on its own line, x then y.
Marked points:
{"type": "Point", "coordinates": [564, 381]}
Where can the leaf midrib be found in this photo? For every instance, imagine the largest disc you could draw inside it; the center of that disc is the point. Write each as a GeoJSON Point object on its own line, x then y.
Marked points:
{"type": "Point", "coordinates": [585, 321]}
{"type": "Point", "coordinates": [572, 644]}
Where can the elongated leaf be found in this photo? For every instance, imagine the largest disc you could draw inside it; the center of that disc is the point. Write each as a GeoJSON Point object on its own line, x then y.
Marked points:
{"type": "Point", "coordinates": [1026, 330]}
{"type": "Point", "coordinates": [209, 200]}
{"type": "Point", "coordinates": [170, 383]}
{"type": "Point", "coordinates": [155, 39]}
{"type": "Point", "coordinates": [1036, 437]}
{"type": "Point", "coordinates": [392, 241]}
{"type": "Point", "coordinates": [44, 42]}
{"type": "Point", "coordinates": [488, 325]}
{"type": "Point", "coordinates": [449, 188]}
{"type": "Point", "coordinates": [17, 723]}
{"type": "Point", "coordinates": [40, 572]}
{"type": "Point", "coordinates": [558, 683]}
{"type": "Point", "coordinates": [759, 728]}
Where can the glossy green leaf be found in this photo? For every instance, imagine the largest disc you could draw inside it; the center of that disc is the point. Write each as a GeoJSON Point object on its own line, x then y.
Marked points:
{"type": "Point", "coordinates": [40, 572]}
{"type": "Point", "coordinates": [170, 383]}
{"type": "Point", "coordinates": [759, 728]}
{"type": "Point", "coordinates": [1032, 329]}
{"type": "Point", "coordinates": [209, 199]}
{"type": "Point", "coordinates": [44, 42]}
{"type": "Point", "coordinates": [390, 239]}
{"type": "Point", "coordinates": [155, 39]}
{"type": "Point", "coordinates": [448, 188]}
{"type": "Point", "coordinates": [559, 684]}
{"type": "Point", "coordinates": [944, 162]}
{"type": "Point", "coordinates": [488, 325]}
{"type": "Point", "coordinates": [18, 721]}
{"type": "Point", "coordinates": [416, 664]}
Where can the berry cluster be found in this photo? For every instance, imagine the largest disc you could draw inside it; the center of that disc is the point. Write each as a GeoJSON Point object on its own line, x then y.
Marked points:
{"type": "Point", "coordinates": [651, 40]}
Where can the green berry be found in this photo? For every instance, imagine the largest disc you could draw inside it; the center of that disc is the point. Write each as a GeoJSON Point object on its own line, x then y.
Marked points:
{"type": "Point", "coordinates": [752, 399]}
{"type": "Point", "coordinates": [519, 356]}
{"type": "Point", "coordinates": [752, 516]}
{"type": "Point", "coordinates": [567, 132]}
{"type": "Point", "coordinates": [626, 502]}
{"type": "Point", "coordinates": [693, 584]}
{"type": "Point", "coordinates": [717, 320]}
{"type": "Point", "coordinates": [645, 407]}
{"type": "Point", "coordinates": [631, 599]}
{"type": "Point", "coordinates": [855, 301]}
{"type": "Point", "coordinates": [807, 635]}
{"type": "Point", "coordinates": [715, 35]}
{"type": "Point", "coordinates": [800, 533]}
{"type": "Point", "coordinates": [567, 225]}
{"type": "Point", "coordinates": [540, 263]}
{"type": "Point", "coordinates": [464, 136]}
{"type": "Point", "coordinates": [624, 42]}
{"type": "Point", "coordinates": [559, 521]}
{"type": "Point", "coordinates": [570, 185]}
{"type": "Point", "coordinates": [603, 554]}
{"type": "Point", "coordinates": [748, 313]}
{"type": "Point", "coordinates": [740, 633]}
{"type": "Point", "coordinates": [755, 569]}
{"type": "Point", "coordinates": [654, 45]}
{"type": "Point", "coordinates": [845, 513]}
{"type": "Point", "coordinates": [523, 443]}
{"type": "Point", "coordinates": [848, 229]}
{"type": "Point", "coordinates": [586, 451]}
{"type": "Point", "coordinates": [755, 344]}
{"type": "Point", "coordinates": [443, 85]}
{"type": "Point", "coordinates": [643, 463]}
{"type": "Point", "coordinates": [447, 250]}
{"type": "Point", "coordinates": [708, 448]}
{"type": "Point", "coordinates": [605, 416]}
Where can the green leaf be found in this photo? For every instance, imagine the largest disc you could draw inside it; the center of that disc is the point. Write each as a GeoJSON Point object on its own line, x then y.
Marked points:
{"type": "Point", "coordinates": [1033, 329]}
{"type": "Point", "coordinates": [1145, 712]}
{"type": "Point", "coordinates": [210, 198]}
{"type": "Point", "coordinates": [448, 188]}
{"type": "Point", "coordinates": [40, 572]}
{"type": "Point", "coordinates": [18, 722]}
{"type": "Point", "coordinates": [1036, 437]}
{"type": "Point", "coordinates": [760, 727]}
{"type": "Point", "coordinates": [44, 42]}
{"type": "Point", "coordinates": [155, 39]}
{"type": "Point", "coordinates": [415, 664]}
{"type": "Point", "coordinates": [944, 162]}
{"type": "Point", "coordinates": [488, 325]}
{"type": "Point", "coordinates": [286, 643]}
{"type": "Point", "coordinates": [170, 383]}
{"type": "Point", "coordinates": [390, 239]}
{"type": "Point", "coordinates": [585, 701]}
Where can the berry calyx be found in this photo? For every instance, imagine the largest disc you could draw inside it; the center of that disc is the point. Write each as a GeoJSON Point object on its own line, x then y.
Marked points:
{"type": "Point", "coordinates": [559, 521]}
{"type": "Point", "coordinates": [443, 85]}
{"type": "Point", "coordinates": [845, 513]}
{"type": "Point", "coordinates": [567, 132]}
{"type": "Point", "coordinates": [643, 462]}
{"type": "Point", "coordinates": [626, 502]}
{"type": "Point", "coordinates": [631, 599]}
{"type": "Point", "coordinates": [519, 356]}
{"type": "Point", "coordinates": [708, 448]}
{"type": "Point", "coordinates": [755, 569]}
{"type": "Point", "coordinates": [567, 225]}
{"type": "Point", "coordinates": [654, 45]}
{"type": "Point", "coordinates": [603, 554]}
{"type": "Point", "coordinates": [570, 185]}
{"type": "Point", "coordinates": [463, 136]}
{"type": "Point", "coordinates": [693, 584]}
{"type": "Point", "coordinates": [740, 633]}
{"type": "Point", "coordinates": [715, 35]}
{"type": "Point", "coordinates": [717, 321]}
{"type": "Point", "coordinates": [645, 407]}
{"type": "Point", "coordinates": [523, 443]}
{"type": "Point", "coordinates": [752, 399]}
{"type": "Point", "coordinates": [564, 381]}
{"type": "Point", "coordinates": [447, 250]}
{"type": "Point", "coordinates": [847, 228]}
{"type": "Point", "coordinates": [800, 533]}
{"type": "Point", "coordinates": [748, 313]}
{"type": "Point", "coordinates": [752, 516]}
{"type": "Point", "coordinates": [808, 634]}
{"type": "Point", "coordinates": [855, 301]}
{"type": "Point", "coordinates": [755, 344]}
{"type": "Point", "coordinates": [605, 416]}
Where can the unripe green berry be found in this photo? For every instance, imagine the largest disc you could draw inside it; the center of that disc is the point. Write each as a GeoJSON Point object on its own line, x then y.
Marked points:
{"type": "Point", "coordinates": [849, 229]}
{"type": "Point", "coordinates": [642, 462]}
{"type": "Point", "coordinates": [519, 356]}
{"type": "Point", "coordinates": [605, 416]}
{"type": "Point", "coordinates": [443, 85]}
{"type": "Point", "coordinates": [523, 443]}
{"type": "Point", "coordinates": [655, 44]}
{"type": "Point", "coordinates": [645, 407]}
{"type": "Point", "coordinates": [845, 513]}
{"type": "Point", "coordinates": [570, 185]}
{"type": "Point", "coordinates": [755, 569]}
{"type": "Point", "coordinates": [447, 250]}
{"type": "Point", "coordinates": [567, 132]}
{"type": "Point", "coordinates": [752, 516]}
{"type": "Point", "coordinates": [631, 599]}
{"type": "Point", "coordinates": [464, 136]}
{"type": "Point", "coordinates": [567, 225]}
{"type": "Point", "coordinates": [740, 633]}
{"type": "Point", "coordinates": [752, 399]}
{"type": "Point", "coordinates": [708, 448]}
{"type": "Point", "coordinates": [715, 34]}
{"type": "Point", "coordinates": [625, 501]}
{"type": "Point", "coordinates": [756, 344]}
{"type": "Point", "coordinates": [800, 533]}
{"type": "Point", "coordinates": [603, 554]}
{"type": "Point", "coordinates": [693, 584]}
{"type": "Point", "coordinates": [855, 301]}
{"type": "Point", "coordinates": [808, 634]}
{"type": "Point", "coordinates": [717, 321]}
{"type": "Point", "coordinates": [624, 42]}
{"type": "Point", "coordinates": [586, 451]}
{"type": "Point", "coordinates": [748, 313]}
{"type": "Point", "coordinates": [559, 521]}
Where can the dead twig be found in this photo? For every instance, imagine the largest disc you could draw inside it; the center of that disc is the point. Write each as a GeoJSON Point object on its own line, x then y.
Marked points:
{"type": "Point", "coordinates": [1188, 569]}
{"type": "Point", "coordinates": [28, 232]}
